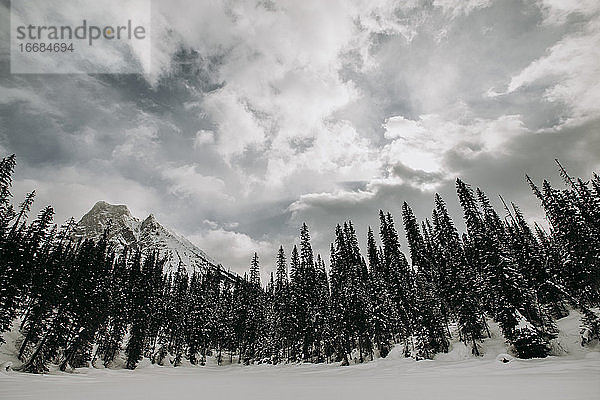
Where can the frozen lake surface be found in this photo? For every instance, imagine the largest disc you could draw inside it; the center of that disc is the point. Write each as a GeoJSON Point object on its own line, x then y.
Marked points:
{"type": "Point", "coordinates": [552, 378]}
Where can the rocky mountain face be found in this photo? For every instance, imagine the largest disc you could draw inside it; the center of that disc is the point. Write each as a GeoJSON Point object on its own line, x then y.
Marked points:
{"type": "Point", "coordinates": [127, 230]}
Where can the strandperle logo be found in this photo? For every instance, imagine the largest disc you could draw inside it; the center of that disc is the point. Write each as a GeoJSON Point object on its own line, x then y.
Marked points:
{"type": "Point", "coordinates": [80, 36]}
{"type": "Point", "coordinates": [81, 32]}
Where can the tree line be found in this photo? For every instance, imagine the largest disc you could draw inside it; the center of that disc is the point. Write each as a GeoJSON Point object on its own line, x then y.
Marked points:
{"type": "Point", "coordinates": [77, 302]}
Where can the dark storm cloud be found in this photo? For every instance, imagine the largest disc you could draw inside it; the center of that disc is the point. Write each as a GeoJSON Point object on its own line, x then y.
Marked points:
{"type": "Point", "coordinates": [419, 177]}
{"type": "Point", "coordinates": [258, 116]}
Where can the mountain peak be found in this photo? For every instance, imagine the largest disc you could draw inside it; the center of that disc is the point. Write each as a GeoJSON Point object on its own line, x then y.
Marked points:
{"type": "Point", "coordinates": [150, 223]}
{"type": "Point", "coordinates": [114, 209]}
{"type": "Point", "coordinates": [127, 230]}
{"type": "Point", "coordinates": [102, 215]}
{"type": "Point", "coordinates": [150, 218]}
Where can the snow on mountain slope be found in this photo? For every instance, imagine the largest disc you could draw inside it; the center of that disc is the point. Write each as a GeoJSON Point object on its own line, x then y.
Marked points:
{"type": "Point", "coordinates": [127, 230]}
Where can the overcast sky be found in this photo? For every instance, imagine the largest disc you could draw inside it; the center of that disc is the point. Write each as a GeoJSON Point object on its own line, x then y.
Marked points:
{"type": "Point", "coordinates": [316, 111]}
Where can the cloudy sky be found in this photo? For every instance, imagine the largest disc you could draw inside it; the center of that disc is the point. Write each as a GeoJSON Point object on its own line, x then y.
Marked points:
{"type": "Point", "coordinates": [258, 115]}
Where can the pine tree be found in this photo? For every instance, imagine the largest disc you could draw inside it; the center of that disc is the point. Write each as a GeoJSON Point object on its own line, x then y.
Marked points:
{"type": "Point", "coordinates": [180, 307]}
{"type": "Point", "coordinates": [430, 325]}
{"type": "Point", "coordinates": [225, 337]}
{"type": "Point", "coordinates": [538, 282]}
{"type": "Point", "coordinates": [197, 316]}
{"type": "Point", "coordinates": [304, 299]}
{"type": "Point", "coordinates": [527, 340]}
{"type": "Point", "coordinates": [321, 327]}
{"type": "Point", "coordinates": [240, 314]}
{"type": "Point", "coordinates": [111, 338]}
{"type": "Point", "coordinates": [396, 274]}
{"type": "Point", "coordinates": [7, 167]}
{"type": "Point", "coordinates": [137, 331]}
{"type": "Point", "coordinates": [383, 315]}
{"type": "Point", "coordinates": [249, 316]}
{"type": "Point", "coordinates": [340, 315]}
{"type": "Point", "coordinates": [351, 306]}
{"type": "Point", "coordinates": [17, 248]}
{"type": "Point", "coordinates": [307, 297]}
{"type": "Point", "coordinates": [458, 282]}
{"type": "Point", "coordinates": [255, 271]}
{"type": "Point", "coordinates": [281, 308]}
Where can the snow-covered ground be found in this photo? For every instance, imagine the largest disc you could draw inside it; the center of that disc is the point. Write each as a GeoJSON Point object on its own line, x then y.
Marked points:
{"type": "Point", "coordinates": [551, 378]}
{"type": "Point", "coordinates": [573, 375]}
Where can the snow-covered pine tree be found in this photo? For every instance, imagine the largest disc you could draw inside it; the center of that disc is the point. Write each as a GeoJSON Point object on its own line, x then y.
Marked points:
{"type": "Point", "coordinates": [349, 297]}
{"type": "Point", "coordinates": [383, 315]}
{"type": "Point", "coordinates": [239, 315]}
{"type": "Point", "coordinates": [539, 289]}
{"type": "Point", "coordinates": [14, 279]}
{"type": "Point", "coordinates": [7, 213]}
{"type": "Point", "coordinates": [297, 315]}
{"type": "Point", "coordinates": [527, 340]}
{"type": "Point", "coordinates": [458, 283]}
{"type": "Point", "coordinates": [211, 291]}
{"type": "Point", "coordinates": [250, 318]}
{"type": "Point", "coordinates": [111, 336]}
{"type": "Point", "coordinates": [483, 256]}
{"type": "Point", "coordinates": [137, 319]}
{"type": "Point", "coordinates": [396, 274]}
{"type": "Point", "coordinates": [181, 306]}
{"type": "Point", "coordinates": [224, 336]}
{"type": "Point", "coordinates": [361, 305]}
{"type": "Point", "coordinates": [340, 314]}
{"type": "Point", "coordinates": [429, 326]}
{"type": "Point", "coordinates": [323, 347]}
{"type": "Point", "coordinates": [197, 317]}
{"type": "Point", "coordinates": [305, 282]}
{"type": "Point", "coordinates": [281, 329]}
{"type": "Point", "coordinates": [255, 270]}
{"type": "Point", "coordinates": [590, 327]}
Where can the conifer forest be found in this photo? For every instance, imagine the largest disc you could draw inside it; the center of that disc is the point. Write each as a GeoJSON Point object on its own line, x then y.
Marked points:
{"type": "Point", "coordinates": [78, 302]}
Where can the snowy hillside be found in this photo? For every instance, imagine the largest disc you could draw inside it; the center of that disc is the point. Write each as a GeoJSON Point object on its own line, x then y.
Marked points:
{"type": "Point", "coordinates": [571, 373]}
{"type": "Point", "coordinates": [149, 233]}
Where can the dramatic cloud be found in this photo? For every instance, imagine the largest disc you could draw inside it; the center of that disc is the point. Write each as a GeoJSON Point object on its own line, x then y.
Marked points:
{"type": "Point", "coordinates": [257, 116]}
{"type": "Point", "coordinates": [570, 72]}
